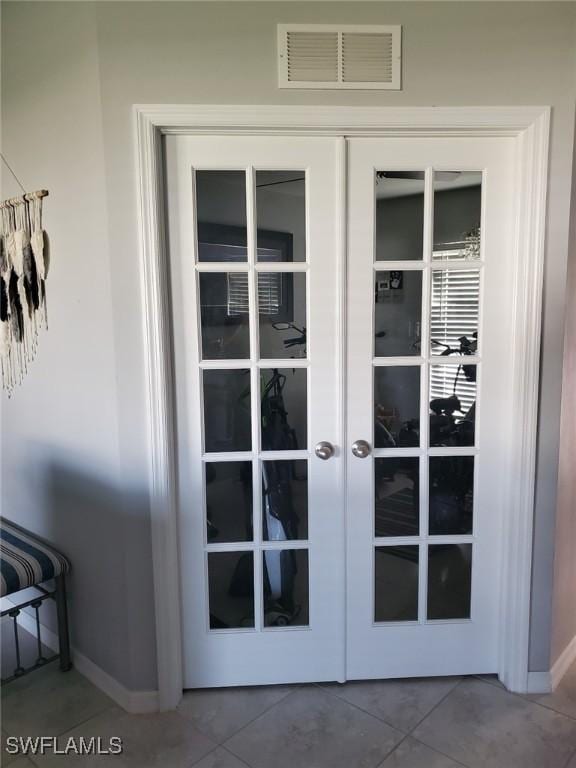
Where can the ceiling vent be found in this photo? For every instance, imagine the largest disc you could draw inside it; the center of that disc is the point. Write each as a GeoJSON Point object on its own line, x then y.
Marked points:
{"type": "Point", "coordinates": [339, 56]}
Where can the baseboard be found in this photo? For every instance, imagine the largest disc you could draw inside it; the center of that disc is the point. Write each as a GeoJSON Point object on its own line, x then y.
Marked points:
{"type": "Point", "coordinates": [563, 663]}
{"type": "Point", "coordinates": [539, 682]}
{"type": "Point", "coordinates": [135, 702]}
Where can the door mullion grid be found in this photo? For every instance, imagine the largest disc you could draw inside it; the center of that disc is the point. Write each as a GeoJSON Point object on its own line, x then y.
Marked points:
{"type": "Point", "coordinates": [251, 227]}
{"type": "Point", "coordinates": [249, 546]}
{"type": "Point", "coordinates": [424, 393]}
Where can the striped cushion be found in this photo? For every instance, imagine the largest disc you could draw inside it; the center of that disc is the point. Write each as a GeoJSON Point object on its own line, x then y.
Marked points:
{"type": "Point", "coordinates": [26, 560]}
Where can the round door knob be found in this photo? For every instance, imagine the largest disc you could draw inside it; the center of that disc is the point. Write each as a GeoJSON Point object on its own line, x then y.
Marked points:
{"type": "Point", "coordinates": [361, 449]}
{"type": "Point", "coordinates": [324, 450]}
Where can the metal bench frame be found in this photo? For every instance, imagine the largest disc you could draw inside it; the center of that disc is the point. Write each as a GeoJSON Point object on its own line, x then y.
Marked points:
{"type": "Point", "coordinates": [59, 595]}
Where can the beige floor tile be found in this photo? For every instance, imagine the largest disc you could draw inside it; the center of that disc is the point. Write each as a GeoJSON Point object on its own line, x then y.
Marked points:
{"type": "Point", "coordinates": [313, 729]}
{"type": "Point", "coordinates": [492, 679]}
{"type": "Point", "coordinates": [485, 727]}
{"type": "Point", "coordinates": [220, 758]}
{"type": "Point", "coordinates": [221, 712]}
{"type": "Point", "coordinates": [165, 740]}
{"type": "Point", "coordinates": [400, 703]}
{"type": "Point", "coordinates": [412, 754]}
{"type": "Point", "coordinates": [49, 702]}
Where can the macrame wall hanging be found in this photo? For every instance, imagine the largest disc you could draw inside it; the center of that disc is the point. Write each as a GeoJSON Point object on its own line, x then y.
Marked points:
{"type": "Point", "coordinates": [23, 271]}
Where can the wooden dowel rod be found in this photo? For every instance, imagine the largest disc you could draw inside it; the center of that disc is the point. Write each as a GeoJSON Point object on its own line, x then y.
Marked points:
{"type": "Point", "coordinates": [28, 196]}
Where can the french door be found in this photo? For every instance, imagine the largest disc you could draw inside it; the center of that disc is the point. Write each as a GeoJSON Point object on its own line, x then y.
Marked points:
{"type": "Point", "coordinates": [429, 317]}
{"type": "Point", "coordinates": [340, 514]}
{"type": "Point", "coordinates": [253, 241]}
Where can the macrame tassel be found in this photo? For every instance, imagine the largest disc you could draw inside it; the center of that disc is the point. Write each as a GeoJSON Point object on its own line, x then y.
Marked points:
{"type": "Point", "coordinates": [40, 250]}
{"type": "Point", "coordinates": [23, 270]}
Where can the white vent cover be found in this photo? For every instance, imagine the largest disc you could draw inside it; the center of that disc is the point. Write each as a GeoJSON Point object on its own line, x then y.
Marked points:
{"type": "Point", "coordinates": [339, 56]}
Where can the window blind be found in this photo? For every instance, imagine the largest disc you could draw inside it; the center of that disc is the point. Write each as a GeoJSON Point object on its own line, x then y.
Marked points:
{"type": "Point", "coordinates": [454, 313]}
{"type": "Point", "coordinates": [269, 293]}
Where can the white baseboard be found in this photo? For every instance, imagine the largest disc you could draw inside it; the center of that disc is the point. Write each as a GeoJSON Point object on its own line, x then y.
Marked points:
{"type": "Point", "coordinates": [547, 682]}
{"type": "Point", "coordinates": [539, 682]}
{"type": "Point", "coordinates": [563, 663]}
{"type": "Point", "coordinates": [135, 702]}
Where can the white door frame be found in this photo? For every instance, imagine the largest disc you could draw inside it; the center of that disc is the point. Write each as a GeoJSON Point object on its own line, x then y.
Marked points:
{"type": "Point", "coordinates": [530, 128]}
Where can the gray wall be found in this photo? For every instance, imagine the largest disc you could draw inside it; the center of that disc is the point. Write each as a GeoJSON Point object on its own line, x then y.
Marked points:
{"type": "Point", "coordinates": [74, 453]}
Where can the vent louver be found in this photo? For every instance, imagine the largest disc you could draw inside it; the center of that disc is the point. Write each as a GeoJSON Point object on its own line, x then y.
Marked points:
{"type": "Point", "coordinates": [336, 56]}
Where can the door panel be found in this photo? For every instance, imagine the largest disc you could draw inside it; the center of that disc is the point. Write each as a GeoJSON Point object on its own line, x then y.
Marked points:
{"type": "Point", "coordinates": [428, 316]}
{"type": "Point", "coordinates": [253, 251]}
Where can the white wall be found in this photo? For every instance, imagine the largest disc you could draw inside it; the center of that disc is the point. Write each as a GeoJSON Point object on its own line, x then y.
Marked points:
{"type": "Point", "coordinates": [74, 436]}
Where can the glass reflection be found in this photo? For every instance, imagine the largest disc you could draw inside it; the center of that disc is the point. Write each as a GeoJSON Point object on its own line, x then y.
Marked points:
{"type": "Point", "coordinates": [451, 494]}
{"type": "Point", "coordinates": [284, 419]}
{"type": "Point", "coordinates": [284, 500]}
{"type": "Point", "coordinates": [397, 313]}
{"type": "Point", "coordinates": [285, 587]}
{"type": "Point", "coordinates": [449, 581]}
{"type": "Point", "coordinates": [227, 410]}
{"type": "Point", "coordinates": [224, 315]}
{"type": "Point", "coordinates": [399, 215]}
{"type": "Point", "coordinates": [452, 405]}
{"type": "Point", "coordinates": [231, 589]}
{"type": "Point", "coordinates": [396, 584]}
{"type": "Point", "coordinates": [281, 215]}
{"type": "Point", "coordinates": [454, 312]}
{"type": "Point", "coordinates": [397, 510]}
{"type": "Point", "coordinates": [457, 215]}
{"type": "Point", "coordinates": [282, 314]}
{"type": "Point", "coordinates": [396, 406]}
{"type": "Point", "coordinates": [221, 215]}
{"type": "Point", "coordinates": [228, 501]}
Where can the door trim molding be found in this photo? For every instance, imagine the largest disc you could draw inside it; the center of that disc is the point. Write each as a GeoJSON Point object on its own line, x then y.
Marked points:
{"type": "Point", "coordinates": [529, 126]}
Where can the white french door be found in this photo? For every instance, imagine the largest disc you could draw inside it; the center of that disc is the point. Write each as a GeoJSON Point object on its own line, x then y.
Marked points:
{"type": "Point", "coordinates": [314, 547]}
{"type": "Point", "coordinates": [254, 255]}
{"type": "Point", "coordinates": [429, 357]}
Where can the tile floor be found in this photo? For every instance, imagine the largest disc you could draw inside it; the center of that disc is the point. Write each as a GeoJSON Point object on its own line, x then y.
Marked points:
{"type": "Point", "coordinates": [438, 723]}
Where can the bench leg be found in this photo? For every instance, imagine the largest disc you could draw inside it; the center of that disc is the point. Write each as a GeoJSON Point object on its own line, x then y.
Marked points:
{"type": "Point", "coordinates": [62, 613]}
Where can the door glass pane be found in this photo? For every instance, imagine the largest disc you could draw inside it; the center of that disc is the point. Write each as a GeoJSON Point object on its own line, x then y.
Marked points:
{"type": "Point", "coordinates": [284, 409]}
{"type": "Point", "coordinates": [282, 314]}
{"type": "Point", "coordinates": [396, 406]}
{"type": "Point", "coordinates": [281, 215]}
{"type": "Point", "coordinates": [231, 589]}
{"type": "Point", "coordinates": [454, 311]}
{"type": "Point", "coordinates": [397, 496]}
{"type": "Point", "coordinates": [396, 584]}
{"type": "Point", "coordinates": [221, 215]}
{"type": "Point", "coordinates": [457, 204]}
{"type": "Point", "coordinates": [452, 404]}
{"type": "Point", "coordinates": [449, 581]}
{"type": "Point", "coordinates": [451, 494]}
{"type": "Point", "coordinates": [284, 500]}
{"type": "Point", "coordinates": [224, 315]}
{"type": "Point", "coordinates": [397, 313]}
{"type": "Point", "coordinates": [228, 501]}
{"type": "Point", "coordinates": [285, 587]}
{"type": "Point", "coordinates": [227, 410]}
{"type": "Point", "coordinates": [399, 215]}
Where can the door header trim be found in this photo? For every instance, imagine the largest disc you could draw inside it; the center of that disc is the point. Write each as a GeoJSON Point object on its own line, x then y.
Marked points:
{"type": "Point", "coordinates": [338, 121]}
{"type": "Point", "coordinates": [529, 127]}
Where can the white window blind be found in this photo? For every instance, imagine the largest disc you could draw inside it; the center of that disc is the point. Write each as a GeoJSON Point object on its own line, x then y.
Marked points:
{"type": "Point", "coordinates": [269, 293]}
{"type": "Point", "coordinates": [454, 313]}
